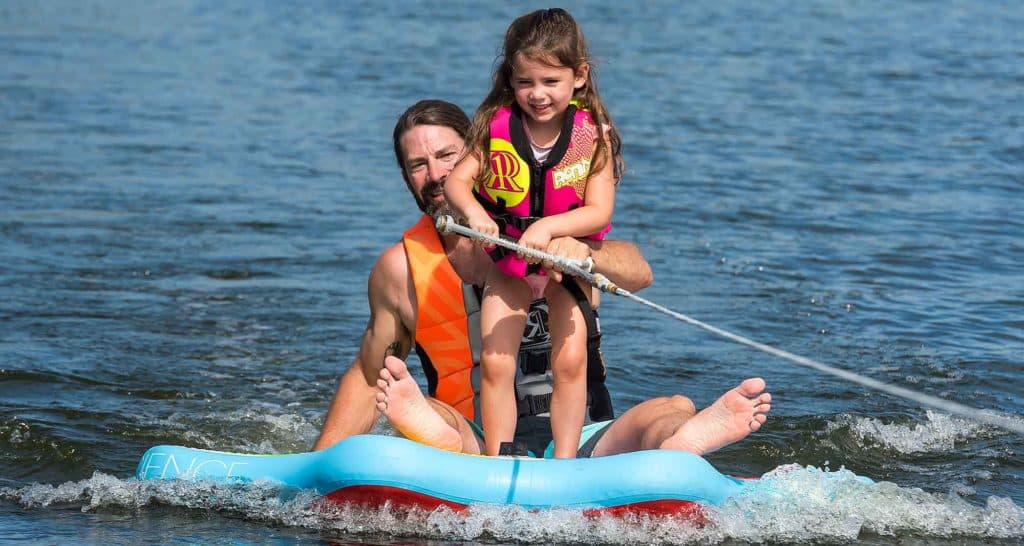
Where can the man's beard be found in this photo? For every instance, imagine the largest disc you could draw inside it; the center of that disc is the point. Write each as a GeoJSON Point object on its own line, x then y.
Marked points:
{"type": "Point", "coordinates": [429, 204]}
{"type": "Point", "coordinates": [436, 209]}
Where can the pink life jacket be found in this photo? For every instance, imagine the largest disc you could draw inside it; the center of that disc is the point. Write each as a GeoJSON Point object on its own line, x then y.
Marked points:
{"type": "Point", "coordinates": [520, 190]}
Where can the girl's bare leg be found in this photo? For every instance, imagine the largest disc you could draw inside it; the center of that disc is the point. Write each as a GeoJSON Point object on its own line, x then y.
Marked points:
{"type": "Point", "coordinates": [502, 318]}
{"type": "Point", "coordinates": [569, 366]}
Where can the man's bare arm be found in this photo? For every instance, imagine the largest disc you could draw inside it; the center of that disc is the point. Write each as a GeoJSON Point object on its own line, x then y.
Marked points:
{"type": "Point", "coordinates": [620, 261]}
{"type": "Point", "coordinates": [354, 407]}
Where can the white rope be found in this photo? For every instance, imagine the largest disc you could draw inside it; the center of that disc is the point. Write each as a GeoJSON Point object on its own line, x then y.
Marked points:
{"type": "Point", "coordinates": [584, 269]}
{"type": "Point", "coordinates": [446, 224]}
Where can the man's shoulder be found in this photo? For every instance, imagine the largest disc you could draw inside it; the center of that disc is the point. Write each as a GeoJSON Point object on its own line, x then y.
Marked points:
{"type": "Point", "coordinates": [389, 286]}
{"type": "Point", "coordinates": [390, 275]}
{"type": "Point", "coordinates": [392, 265]}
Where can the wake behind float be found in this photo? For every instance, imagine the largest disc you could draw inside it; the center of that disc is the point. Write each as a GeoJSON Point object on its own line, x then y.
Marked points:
{"type": "Point", "coordinates": [374, 470]}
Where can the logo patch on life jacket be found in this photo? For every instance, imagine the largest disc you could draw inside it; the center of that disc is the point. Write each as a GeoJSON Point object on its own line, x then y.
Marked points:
{"type": "Point", "coordinates": [571, 174]}
{"type": "Point", "coordinates": [535, 332]}
{"type": "Point", "coordinates": [505, 167]}
{"type": "Point", "coordinates": [574, 168]}
{"type": "Point", "coordinates": [510, 175]}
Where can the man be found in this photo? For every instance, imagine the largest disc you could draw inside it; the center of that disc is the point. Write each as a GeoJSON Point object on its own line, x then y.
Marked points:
{"type": "Point", "coordinates": [411, 290]}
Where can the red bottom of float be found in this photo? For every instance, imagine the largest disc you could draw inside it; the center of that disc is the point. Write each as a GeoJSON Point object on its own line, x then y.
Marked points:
{"type": "Point", "coordinates": [378, 495]}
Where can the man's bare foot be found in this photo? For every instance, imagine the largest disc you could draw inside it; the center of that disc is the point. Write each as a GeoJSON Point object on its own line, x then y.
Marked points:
{"type": "Point", "coordinates": [400, 400]}
{"type": "Point", "coordinates": [731, 418]}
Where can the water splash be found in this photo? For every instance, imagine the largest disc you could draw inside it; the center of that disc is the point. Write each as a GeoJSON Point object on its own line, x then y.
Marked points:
{"type": "Point", "coordinates": [790, 504]}
{"type": "Point", "coordinates": [940, 432]}
{"type": "Point", "coordinates": [795, 503]}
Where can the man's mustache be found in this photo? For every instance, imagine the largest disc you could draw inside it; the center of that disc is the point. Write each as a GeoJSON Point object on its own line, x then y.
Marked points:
{"type": "Point", "coordinates": [429, 190]}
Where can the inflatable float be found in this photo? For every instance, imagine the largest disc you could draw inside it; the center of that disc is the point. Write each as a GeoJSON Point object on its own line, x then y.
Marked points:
{"type": "Point", "coordinates": [374, 470]}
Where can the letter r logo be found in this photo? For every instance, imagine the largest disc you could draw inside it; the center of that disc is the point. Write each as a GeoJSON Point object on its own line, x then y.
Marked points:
{"type": "Point", "coordinates": [509, 180]}
{"type": "Point", "coordinates": [505, 167]}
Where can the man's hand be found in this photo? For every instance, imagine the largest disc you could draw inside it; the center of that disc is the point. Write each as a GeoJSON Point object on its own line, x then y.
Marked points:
{"type": "Point", "coordinates": [567, 247]}
{"type": "Point", "coordinates": [620, 261]}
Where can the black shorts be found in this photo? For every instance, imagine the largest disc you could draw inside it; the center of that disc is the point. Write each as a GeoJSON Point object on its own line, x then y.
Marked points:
{"type": "Point", "coordinates": [534, 433]}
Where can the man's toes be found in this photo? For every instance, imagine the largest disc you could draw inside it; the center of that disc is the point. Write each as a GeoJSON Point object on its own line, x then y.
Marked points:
{"type": "Point", "coordinates": [382, 384]}
{"type": "Point", "coordinates": [752, 387]}
{"type": "Point", "coordinates": [385, 374]}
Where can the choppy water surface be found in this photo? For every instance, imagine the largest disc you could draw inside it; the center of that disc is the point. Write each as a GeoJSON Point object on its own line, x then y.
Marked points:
{"type": "Point", "coordinates": [192, 195]}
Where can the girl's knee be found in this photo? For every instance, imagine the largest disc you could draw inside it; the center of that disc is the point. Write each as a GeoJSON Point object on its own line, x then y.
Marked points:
{"type": "Point", "coordinates": [497, 367]}
{"type": "Point", "coordinates": [570, 365]}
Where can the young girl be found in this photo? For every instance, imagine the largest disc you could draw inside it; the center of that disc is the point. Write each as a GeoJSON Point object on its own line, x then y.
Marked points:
{"type": "Point", "coordinates": [543, 162]}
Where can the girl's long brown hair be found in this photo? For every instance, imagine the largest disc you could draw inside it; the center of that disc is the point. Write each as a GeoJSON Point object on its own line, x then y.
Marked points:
{"type": "Point", "coordinates": [549, 36]}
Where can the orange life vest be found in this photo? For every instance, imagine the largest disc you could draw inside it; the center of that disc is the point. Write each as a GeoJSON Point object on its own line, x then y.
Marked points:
{"type": "Point", "coordinates": [442, 326]}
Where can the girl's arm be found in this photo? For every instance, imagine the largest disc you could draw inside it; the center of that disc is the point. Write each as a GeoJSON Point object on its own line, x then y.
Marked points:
{"type": "Point", "coordinates": [592, 217]}
{"type": "Point", "coordinates": [458, 191]}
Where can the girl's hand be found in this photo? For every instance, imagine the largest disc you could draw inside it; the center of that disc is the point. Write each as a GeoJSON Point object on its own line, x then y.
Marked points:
{"type": "Point", "coordinates": [536, 237]}
{"type": "Point", "coordinates": [484, 224]}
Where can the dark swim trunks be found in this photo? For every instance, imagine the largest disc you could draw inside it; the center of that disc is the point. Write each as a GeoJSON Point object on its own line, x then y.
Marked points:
{"type": "Point", "coordinates": [533, 436]}
{"type": "Point", "coordinates": [592, 434]}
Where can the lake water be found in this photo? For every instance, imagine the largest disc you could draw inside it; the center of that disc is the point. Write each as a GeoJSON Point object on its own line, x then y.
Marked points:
{"type": "Point", "coordinates": [193, 193]}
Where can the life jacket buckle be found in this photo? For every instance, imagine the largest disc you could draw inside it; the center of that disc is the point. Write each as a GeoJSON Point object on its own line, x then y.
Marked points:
{"type": "Point", "coordinates": [513, 449]}
{"type": "Point", "coordinates": [533, 362]}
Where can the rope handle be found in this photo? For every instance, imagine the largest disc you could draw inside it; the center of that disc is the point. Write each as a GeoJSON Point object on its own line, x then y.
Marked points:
{"type": "Point", "coordinates": [447, 224]}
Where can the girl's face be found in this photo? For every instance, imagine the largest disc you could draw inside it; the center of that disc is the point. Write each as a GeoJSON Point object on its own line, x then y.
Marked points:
{"type": "Point", "coordinates": [544, 91]}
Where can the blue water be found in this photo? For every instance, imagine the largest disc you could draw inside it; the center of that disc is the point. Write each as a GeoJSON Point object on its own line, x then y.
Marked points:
{"type": "Point", "coordinates": [192, 195]}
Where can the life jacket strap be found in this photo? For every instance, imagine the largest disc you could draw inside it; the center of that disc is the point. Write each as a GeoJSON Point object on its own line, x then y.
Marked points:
{"type": "Point", "coordinates": [537, 404]}
{"type": "Point", "coordinates": [600, 399]}
{"type": "Point", "coordinates": [499, 212]}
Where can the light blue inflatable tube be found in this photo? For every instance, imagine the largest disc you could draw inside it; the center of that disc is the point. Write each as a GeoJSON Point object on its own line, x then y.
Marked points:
{"type": "Point", "coordinates": [373, 461]}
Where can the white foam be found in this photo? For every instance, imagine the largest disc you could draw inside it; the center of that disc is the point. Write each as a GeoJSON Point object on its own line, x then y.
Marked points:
{"type": "Point", "coordinates": [939, 433]}
{"type": "Point", "coordinates": [792, 503]}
